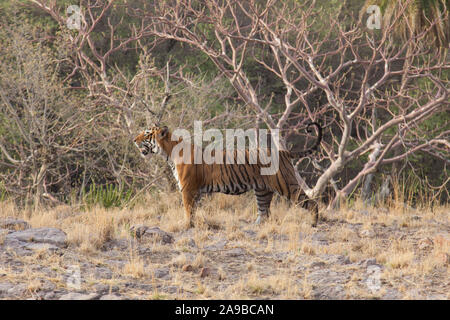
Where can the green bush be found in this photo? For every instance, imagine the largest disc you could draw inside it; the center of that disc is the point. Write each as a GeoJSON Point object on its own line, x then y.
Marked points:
{"type": "Point", "coordinates": [107, 196]}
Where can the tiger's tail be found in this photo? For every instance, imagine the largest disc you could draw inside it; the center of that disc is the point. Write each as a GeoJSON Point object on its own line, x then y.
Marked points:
{"type": "Point", "coordinates": [301, 154]}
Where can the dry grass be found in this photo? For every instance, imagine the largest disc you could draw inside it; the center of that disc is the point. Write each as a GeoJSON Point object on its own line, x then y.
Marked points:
{"type": "Point", "coordinates": [280, 259]}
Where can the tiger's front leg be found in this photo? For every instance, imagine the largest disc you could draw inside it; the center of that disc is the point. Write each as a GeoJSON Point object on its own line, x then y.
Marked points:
{"type": "Point", "coordinates": [189, 201]}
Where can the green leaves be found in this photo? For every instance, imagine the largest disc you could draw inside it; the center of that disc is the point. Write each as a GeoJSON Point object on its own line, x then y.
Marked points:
{"type": "Point", "coordinates": [107, 196]}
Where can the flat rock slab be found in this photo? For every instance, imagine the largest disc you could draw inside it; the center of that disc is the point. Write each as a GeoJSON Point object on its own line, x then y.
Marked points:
{"type": "Point", "coordinates": [235, 252]}
{"type": "Point", "coordinates": [14, 224]}
{"type": "Point", "coordinates": [220, 245]}
{"type": "Point", "coordinates": [5, 287]}
{"type": "Point", "coordinates": [111, 297]}
{"type": "Point", "coordinates": [51, 236]}
{"type": "Point", "coordinates": [79, 296]}
{"type": "Point", "coordinates": [151, 233]}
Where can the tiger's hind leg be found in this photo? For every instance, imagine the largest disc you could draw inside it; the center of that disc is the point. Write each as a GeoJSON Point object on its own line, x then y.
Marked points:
{"type": "Point", "coordinates": [263, 199]}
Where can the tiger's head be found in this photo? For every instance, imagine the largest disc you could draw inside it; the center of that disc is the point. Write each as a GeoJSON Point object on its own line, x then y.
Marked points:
{"type": "Point", "coordinates": [150, 141]}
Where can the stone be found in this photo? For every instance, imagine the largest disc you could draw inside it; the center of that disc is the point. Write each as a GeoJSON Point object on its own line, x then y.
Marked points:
{"type": "Point", "coordinates": [102, 273]}
{"type": "Point", "coordinates": [339, 259]}
{"type": "Point", "coordinates": [172, 289]}
{"type": "Point", "coordinates": [14, 224]}
{"type": "Point", "coordinates": [205, 272]}
{"type": "Point", "coordinates": [219, 245]}
{"type": "Point", "coordinates": [53, 236]}
{"type": "Point", "coordinates": [368, 262]}
{"type": "Point", "coordinates": [250, 233]}
{"type": "Point", "coordinates": [187, 267]}
{"type": "Point", "coordinates": [42, 247]}
{"type": "Point", "coordinates": [4, 287]}
{"type": "Point", "coordinates": [101, 288]}
{"type": "Point", "coordinates": [316, 264]}
{"type": "Point", "coordinates": [320, 238]}
{"type": "Point", "coordinates": [79, 296]}
{"type": "Point", "coordinates": [18, 290]}
{"type": "Point", "coordinates": [161, 273]}
{"type": "Point", "coordinates": [235, 252]}
{"type": "Point", "coordinates": [425, 243]}
{"type": "Point", "coordinates": [143, 232]}
{"type": "Point", "coordinates": [367, 233]}
{"type": "Point", "coordinates": [192, 244]}
{"type": "Point", "coordinates": [328, 284]}
{"type": "Point", "coordinates": [49, 296]}
{"type": "Point", "coordinates": [336, 292]}
{"type": "Point", "coordinates": [111, 297]}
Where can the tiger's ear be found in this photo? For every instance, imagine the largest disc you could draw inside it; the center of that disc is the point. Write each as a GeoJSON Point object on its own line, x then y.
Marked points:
{"type": "Point", "coordinates": [163, 133]}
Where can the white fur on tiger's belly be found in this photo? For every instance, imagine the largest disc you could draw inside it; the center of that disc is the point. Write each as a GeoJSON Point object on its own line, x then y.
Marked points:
{"type": "Point", "coordinates": [175, 174]}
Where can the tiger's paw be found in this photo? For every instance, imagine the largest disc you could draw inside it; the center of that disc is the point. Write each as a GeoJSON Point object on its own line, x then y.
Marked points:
{"type": "Point", "coordinates": [261, 218]}
{"type": "Point", "coordinates": [187, 224]}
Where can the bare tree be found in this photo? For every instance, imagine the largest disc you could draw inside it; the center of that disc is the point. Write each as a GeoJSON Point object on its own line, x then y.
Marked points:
{"type": "Point", "coordinates": [43, 135]}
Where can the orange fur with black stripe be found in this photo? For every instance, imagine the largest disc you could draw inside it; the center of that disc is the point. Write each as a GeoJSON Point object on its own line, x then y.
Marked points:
{"type": "Point", "coordinates": [197, 179]}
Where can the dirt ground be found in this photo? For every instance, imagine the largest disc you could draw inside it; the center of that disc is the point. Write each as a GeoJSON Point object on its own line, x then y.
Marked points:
{"type": "Point", "coordinates": [358, 252]}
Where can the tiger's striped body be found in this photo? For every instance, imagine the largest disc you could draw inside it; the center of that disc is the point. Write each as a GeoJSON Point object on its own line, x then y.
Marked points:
{"type": "Point", "coordinates": [195, 180]}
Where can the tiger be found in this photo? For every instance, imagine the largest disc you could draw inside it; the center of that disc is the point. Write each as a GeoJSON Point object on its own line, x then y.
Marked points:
{"type": "Point", "coordinates": [195, 180]}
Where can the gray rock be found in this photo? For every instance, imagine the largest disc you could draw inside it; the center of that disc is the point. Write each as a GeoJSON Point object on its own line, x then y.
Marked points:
{"type": "Point", "coordinates": [250, 233]}
{"type": "Point", "coordinates": [4, 232]}
{"type": "Point", "coordinates": [49, 296]}
{"type": "Point", "coordinates": [172, 289]}
{"type": "Point", "coordinates": [316, 264]}
{"type": "Point", "coordinates": [368, 262]}
{"type": "Point", "coordinates": [101, 288]}
{"type": "Point", "coordinates": [335, 258]}
{"type": "Point", "coordinates": [235, 252]}
{"type": "Point", "coordinates": [280, 256]}
{"type": "Point", "coordinates": [320, 238]}
{"type": "Point", "coordinates": [392, 294]}
{"type": "Point", "coordinates": [117, 244]}
{"type": "Point", "coordinates": [14, 224]}
{"type": "Point", "coordinates": [104, 288]}
{"type": "Point", "coordinates": [328, 284]}
{"type": "Point", "coordinates": [79, 296]}
{"type": "Point", "coordinates": [102, 273]}
{"type": "Point", "coordinates": [47, 285]}
{"type": "Point", "coordinates": [143, 232]}
{"type": "Point", "coordinates": [192, 243]}
{"type": "Point", "coordinates": [161, 273]}
{"type": "Point", "coordinates": [42, 246]}
{"type": "Point", "coordinates": [17, 290]}
{"type": "Point", "coordinates": [111, 297]}
{"type": "Point", "coordinates": [40, 235]}
{"type": "Point", "coordinates": [336, 292]}
{"type": "Point", "coordinates": [219, 245]}
{"type": "Point", "coordinates": [4, 287]}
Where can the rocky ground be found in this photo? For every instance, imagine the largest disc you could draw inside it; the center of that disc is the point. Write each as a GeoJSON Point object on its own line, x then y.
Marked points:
{"type": "Point", "coordinates": [352, 254]}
